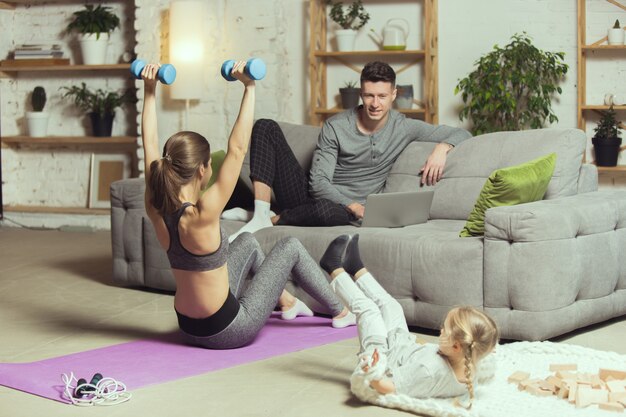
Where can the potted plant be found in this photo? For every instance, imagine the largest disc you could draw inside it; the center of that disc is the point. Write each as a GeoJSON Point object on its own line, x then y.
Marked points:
{"type": "Point", "coordinates": [606, 140]}
{"type": "Point", "coordinates": [616, 34]}
{"type": "Point", "coordinates": [94, 26]}
{"type": "Point", "coordinates": [512, 87]}
{"type": "Point", "coordinates": [99, 104]}
{"type": "Point", "coordinates": [37, 119]}
{"type": "Point", "coordinates": [350, 95]}
{"type": "Point", "coordinates": [351, 19]}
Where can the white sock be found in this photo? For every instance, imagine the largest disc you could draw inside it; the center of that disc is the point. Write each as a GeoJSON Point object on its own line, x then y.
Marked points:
{"type": "Point", "coordinates": [298, 309]}
{"type": "Point", "coordinates": [237, 213]}
{"type": "Point", "coordinates": [260, 220]}
{"type": "Point", "coordinates": [347, 320]}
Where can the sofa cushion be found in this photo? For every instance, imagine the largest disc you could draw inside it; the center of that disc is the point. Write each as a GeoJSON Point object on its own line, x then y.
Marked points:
{"type": "Point", "coordinates": [518, 184]}
{"type": "Point", "coordinates": [471, 162]}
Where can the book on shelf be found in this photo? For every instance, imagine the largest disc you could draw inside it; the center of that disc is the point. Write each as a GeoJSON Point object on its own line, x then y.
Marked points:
{"type": "Point", "coordinates": [38, 51]}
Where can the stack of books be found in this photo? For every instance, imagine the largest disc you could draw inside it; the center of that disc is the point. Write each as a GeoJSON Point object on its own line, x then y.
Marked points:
{"type": "Point", "coordinates": [36, 55]}
{"type": "Point", "coordinates": [38, 51]}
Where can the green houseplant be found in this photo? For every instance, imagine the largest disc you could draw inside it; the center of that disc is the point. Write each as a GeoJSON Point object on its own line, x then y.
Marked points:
{"type": "Point", "coordinates": [512, 87]}
{"type": "Point", "coordinates": [99, 104]}
{"type": "Point", "coordinates": [350, 95]}
{"type": "Point", "coordinates": [94, 26]}
{"type": "Point", "coordinates": [351, 18]}
{"type": "Point", "coordinates": [606, 139]}
{"type": "Point", "coordinates": [37, 119]}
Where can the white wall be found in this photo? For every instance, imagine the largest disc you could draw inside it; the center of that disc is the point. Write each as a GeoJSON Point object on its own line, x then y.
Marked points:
{"type": "Point", "coordinates": [277, 31]}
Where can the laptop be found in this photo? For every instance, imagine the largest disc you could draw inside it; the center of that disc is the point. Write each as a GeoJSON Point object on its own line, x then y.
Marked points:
{"type": "Point", "coordinates": [397, 209]}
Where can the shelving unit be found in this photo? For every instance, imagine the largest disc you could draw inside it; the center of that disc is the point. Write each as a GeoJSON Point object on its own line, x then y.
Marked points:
{"type": "Point", "coordinates": [319, 54]}
{"type": "Point", "coordinates": [583, 54]}
{"type": "Point", "coordinates": [116, 144]}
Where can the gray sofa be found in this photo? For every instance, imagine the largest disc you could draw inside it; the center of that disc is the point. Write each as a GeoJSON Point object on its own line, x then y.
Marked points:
{"type": "Point", "coordinates": [541, 270]}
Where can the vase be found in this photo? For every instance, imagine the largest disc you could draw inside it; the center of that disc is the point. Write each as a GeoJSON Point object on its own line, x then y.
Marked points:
{"type": "Point", "coordinates": [345, 39]}
{"type": "Point", "coordinates": [607, 151]}
{"type": "Point", "coordinates": [350, 97]}
{"type": "Point", "coordinates": [37, 122]}
{"type": "Point", "coordinates": [101, 124]}
{"type": "Point", "coordinates": [94, 51]}
{"type": "Point", "coordinates": [616, 36]}
{"type": "Point", "coordinates": [404, 97]}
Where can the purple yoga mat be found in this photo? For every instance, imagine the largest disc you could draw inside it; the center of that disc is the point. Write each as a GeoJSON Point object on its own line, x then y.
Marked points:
{"type": "Point", "coordinates": [148, 362]}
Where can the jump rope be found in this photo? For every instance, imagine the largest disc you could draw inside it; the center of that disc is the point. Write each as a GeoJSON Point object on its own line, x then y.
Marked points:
{"type": "Point", "coordinates": [98, 391]}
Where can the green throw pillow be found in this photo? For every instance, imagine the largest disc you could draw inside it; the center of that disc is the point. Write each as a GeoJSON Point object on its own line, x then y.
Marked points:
{"type": "Point", "coordinates": [509, 186]}
{"type": "Point", "coordinates": [217, 158]}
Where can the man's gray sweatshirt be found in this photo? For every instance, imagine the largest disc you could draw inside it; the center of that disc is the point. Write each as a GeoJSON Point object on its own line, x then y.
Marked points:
{"type": "Point", "coordinates": [349, 165]}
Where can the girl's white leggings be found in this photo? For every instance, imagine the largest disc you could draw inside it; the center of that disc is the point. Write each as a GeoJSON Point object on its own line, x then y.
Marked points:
{"type": "Point", "coordinates": [377, 313]}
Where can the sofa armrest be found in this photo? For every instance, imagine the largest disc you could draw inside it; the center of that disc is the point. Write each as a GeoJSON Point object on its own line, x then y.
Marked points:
{"type": "Point", "coordinates": [588, 179]}
{"type": "Point", "coordinates": [138, 260]}
{"type": "Point", "coordinates": [561, 218]}
{"type": "Point", "coordinates": [550, 254]}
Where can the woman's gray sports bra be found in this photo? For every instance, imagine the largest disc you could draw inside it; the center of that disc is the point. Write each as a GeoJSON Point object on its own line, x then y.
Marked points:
{"type": "Point", "coordinates": [181, 258]}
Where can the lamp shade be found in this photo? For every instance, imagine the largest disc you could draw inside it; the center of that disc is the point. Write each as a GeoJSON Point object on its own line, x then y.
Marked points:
{"type": "Point", "coordinates": [187, 46]}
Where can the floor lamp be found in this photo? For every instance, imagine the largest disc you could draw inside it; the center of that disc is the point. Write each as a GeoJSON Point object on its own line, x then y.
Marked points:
{"type": "Point", "coordinates": [187, 40]}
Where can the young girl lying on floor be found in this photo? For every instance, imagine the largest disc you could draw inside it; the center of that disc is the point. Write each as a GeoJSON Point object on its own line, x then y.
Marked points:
{"type": "Point", "coordinates": [390, 358]}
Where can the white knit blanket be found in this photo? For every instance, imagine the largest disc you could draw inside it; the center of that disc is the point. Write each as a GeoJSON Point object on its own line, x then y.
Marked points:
{"type": "Point", "coordinates": [498, 398]}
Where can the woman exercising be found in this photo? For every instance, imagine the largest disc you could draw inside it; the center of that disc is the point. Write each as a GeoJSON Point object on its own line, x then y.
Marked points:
{"type": "Point", "coordinates": [215, 309]}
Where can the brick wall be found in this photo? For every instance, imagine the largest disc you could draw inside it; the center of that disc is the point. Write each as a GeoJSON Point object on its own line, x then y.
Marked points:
{"type": "Point", "coordinates": [277, 31]}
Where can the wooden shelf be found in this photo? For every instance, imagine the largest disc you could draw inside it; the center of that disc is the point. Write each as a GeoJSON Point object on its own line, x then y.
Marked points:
{"type": "Point", "coordinates": [601, 107]}
{"type": "Point", "coordinates": [603, 48]}
{"type": "Point", "coordinates": [70, 140]}
{"type": "Point", "coordinates": [619, 168]}
{"type": "Point", "coordinates": [7, 71]}
{"type": "Point", "coordinates": [400, 54]}
{"type": "Point", "coordinates": [58, 210]}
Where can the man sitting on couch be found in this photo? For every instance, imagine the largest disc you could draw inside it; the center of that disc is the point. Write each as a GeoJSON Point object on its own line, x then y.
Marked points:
{"type": "Point", "coordinates": [355, 151]}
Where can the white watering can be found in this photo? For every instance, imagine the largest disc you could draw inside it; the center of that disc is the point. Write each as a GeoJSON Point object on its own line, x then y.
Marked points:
{"type": "Point", "coordinates": [395, 34]}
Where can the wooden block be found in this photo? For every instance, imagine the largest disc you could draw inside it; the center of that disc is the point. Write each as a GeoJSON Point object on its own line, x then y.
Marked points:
{"type": "Point", "coordinates": [619, 397]}
{"type": "Point", "coordinates": [605, 373]}
{"type": "Point", "coordinates": [517, 377]}
{"type": "Point", "coordinates": [573, 389]}
{"type": "Point", "coordinates": [586, 396]}
{"type": "Point", "coordinates": [536, 390]}
{"type": "Point", "coordinates": [616, 385]}
{"type": "Point", "coordinates": [596, 382]}
{"type": "Point", "coordinates": [583, 378]}
{"type": "Point", "coordinates": [565, 375]}
{"type": "Point", "coordinates": [565, 387]}
{"type": "Point", "coordinates": [611, 407]}
{"type": "Point", "coordinates": [548, 386]}
{"type": "Point", "coordinates": [563, 367]}
{"type": "Point", "coordinates": [523, 384]}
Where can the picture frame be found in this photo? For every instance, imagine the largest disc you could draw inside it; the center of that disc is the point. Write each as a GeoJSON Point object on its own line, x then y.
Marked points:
{"type": "Point", "coordinates": [105, 169]}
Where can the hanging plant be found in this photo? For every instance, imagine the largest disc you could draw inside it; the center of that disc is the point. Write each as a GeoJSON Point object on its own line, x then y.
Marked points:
{"type": "Point", "coordinates": [512, 87]}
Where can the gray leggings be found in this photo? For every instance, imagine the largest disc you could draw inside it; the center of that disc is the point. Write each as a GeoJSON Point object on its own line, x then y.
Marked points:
{"type": "Point", "coordinates": [258, 298]}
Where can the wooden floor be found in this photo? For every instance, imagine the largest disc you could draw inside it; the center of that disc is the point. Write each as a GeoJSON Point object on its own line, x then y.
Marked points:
{"type": "Point", "coordinates": [56, 298]}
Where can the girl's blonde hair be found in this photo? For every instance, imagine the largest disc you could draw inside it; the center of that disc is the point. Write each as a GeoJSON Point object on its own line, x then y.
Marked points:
{"type": "Point", "coordinates": [183, 154]}
{"type": "Point", "coordinates": [477, 334]}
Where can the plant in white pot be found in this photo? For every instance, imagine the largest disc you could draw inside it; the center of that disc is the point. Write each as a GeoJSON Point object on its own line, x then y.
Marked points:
{"type": "Point", "coordinates": [99, 104]}
{"type": "Point", "coordinates": [94, 26]}
{"type": "Point", "coordinates": [616, 34]}
{"type": "Point", "coordinates": [37, 119]}
{"type": "Point", "coordinates": [353, 18]}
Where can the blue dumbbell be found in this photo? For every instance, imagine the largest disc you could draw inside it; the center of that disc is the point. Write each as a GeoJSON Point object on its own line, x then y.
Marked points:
{"type": "Point", "coordinates": [255, 69]}
{"type": "Point", "coordinates": [166, 74]}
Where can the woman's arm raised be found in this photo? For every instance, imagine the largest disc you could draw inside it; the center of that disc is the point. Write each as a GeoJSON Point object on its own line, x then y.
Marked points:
{"type": "Point", "coordinates": [217, 196]}
{"type": "Point", "coordinates": [149, 125]}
